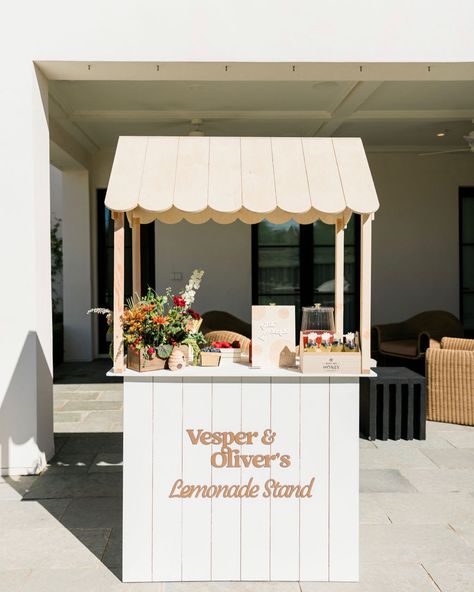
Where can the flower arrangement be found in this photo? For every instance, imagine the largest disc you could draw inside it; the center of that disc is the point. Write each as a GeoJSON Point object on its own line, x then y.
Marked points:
{"type": "Point", "coordinates": [156, 323]}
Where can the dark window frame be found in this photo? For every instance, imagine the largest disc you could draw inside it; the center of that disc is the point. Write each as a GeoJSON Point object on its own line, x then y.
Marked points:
{"type": "Point", "coordinates": [464, 194]}
{"type": "Point", "coordinates": [306, 253]}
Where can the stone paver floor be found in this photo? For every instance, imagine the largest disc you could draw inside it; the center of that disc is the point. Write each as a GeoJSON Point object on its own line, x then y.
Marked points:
{"type": "Point", "coordinates": [61, 531]}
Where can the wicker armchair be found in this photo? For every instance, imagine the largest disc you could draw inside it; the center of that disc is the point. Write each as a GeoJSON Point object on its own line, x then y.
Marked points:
{"type": "Point", "coordinates": [229, 336]}
{"type": "Point", "coordinates": [450, 381]}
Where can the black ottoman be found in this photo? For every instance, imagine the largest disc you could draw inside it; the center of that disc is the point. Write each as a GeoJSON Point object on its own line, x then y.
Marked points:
{"type": "Point", "coordinates": [393, 405]}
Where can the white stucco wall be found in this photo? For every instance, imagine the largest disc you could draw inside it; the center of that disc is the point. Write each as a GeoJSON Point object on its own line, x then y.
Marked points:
{"type": "Point", "coordinates": [268, 30]}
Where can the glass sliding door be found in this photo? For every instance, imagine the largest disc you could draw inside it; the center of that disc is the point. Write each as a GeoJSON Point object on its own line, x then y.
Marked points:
{"type": "Point", "coordinates": [466, 257]}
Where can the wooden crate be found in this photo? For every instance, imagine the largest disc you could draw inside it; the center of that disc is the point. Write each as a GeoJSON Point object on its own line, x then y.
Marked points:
{"type": "Point", "coordinates": [137, 361]}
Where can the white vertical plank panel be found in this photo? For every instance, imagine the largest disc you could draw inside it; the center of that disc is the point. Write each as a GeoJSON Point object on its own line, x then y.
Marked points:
{"type": "Point", "coordinates": [137, 480]}
{"type": "Point", "coordinates": [291, 183]}
{"type": "Point", "coordinates": [159, 171]}
{"type": "Point", "coordinates": [192, 174]}
{"type": "Point", "coordinates": [196, 555]}
{"type": "Point", "coordinates": [167, 468]}
{"type": "Point", "coordinates": [314, 462]}
{"type": "Point", "coordinates": [255, 529]}
{"type": "Point", "coordinates": [285, 512]}
{"type": "Point", "coordinates": [225, 180]}
{"type": "Point", "coordinates": [344, 480]}
{"type": "Point", "coordinates": [323, 175]}
{"type": "Point", "coordinates": [339, 278]}
{"type": "Point", "coordinates": [365, 289]}
{"type": "Point", "coordinates": [226, 417]}
{"type": "Point", "coordinates": [258, 182]}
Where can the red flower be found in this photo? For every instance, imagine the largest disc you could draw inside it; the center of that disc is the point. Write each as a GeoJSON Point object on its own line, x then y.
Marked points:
{"type": "Point", "coordinates": [179, 301]}
{"type": "Point", "coordinates": [195, 315]}
{"type": "Point", "coordinates": [151, 351]}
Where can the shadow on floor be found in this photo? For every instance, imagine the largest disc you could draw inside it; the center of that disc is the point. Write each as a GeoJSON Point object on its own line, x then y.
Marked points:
{"type": "Point", "coordinates": [82, 488]}
{"type": "Point", "coordinates": [84, 372]}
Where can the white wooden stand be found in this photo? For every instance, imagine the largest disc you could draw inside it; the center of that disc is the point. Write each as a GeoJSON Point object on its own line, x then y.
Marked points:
{"type": "Point", "coordinates": [316, 421]}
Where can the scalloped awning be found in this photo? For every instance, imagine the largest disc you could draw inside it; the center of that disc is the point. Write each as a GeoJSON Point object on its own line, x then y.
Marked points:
{"type": "Point", "coordinates": [250, 179]}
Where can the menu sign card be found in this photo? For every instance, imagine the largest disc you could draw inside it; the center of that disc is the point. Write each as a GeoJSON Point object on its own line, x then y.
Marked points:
{"type": "Point", "coordinates": [273, 336]}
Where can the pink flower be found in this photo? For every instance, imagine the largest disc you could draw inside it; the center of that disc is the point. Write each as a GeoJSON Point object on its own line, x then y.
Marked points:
{"type": "Point", "coordinates": [150, 351]}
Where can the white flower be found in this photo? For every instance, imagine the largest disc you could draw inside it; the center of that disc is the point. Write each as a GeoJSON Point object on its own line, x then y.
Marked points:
{"type": "Point", "coordinates": [326, 337]}
{"type": "Point", "coordinates": [350, 337]}
{"type": "Point", "coordinates": [193, 284]}
{"type": "Point", "coordinates": [312, 337]}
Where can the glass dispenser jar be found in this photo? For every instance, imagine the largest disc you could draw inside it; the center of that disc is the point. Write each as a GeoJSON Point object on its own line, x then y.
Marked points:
{"type": "Point", "coordinates": [317, 327]}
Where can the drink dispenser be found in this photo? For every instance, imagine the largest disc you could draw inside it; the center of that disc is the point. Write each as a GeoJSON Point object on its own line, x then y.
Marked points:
{"type": "Point", "coordinates": [317, 328]}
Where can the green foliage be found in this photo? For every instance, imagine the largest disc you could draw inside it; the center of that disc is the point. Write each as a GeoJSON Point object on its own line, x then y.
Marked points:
{"type": "Point", "coordinates": [56, 260]}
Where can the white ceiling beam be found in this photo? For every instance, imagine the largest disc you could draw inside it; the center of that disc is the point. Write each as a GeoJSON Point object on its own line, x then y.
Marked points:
{"type": "Point", "coordinates": [60, 113]}
{"type": "Point", "coordinates": [409, 114]}
{"type": "Point", "coordinates": [67, 144]}
{"type": "Point", "coordinates": [179, 116]}
{"type": "Point", "coordinates": [357, 95]}
{"type": "Point", "coordinates": [310, 71]}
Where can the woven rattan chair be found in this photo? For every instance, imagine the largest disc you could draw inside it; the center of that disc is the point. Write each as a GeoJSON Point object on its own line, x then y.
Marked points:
{"type": "Point", "coordinates": [450, 381]}
{"type": "Point", "coordinates": [229, 336]}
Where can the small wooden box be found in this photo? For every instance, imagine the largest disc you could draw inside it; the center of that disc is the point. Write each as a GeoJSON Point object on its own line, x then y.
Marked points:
{"type": "Point", "coordinates": [137, 361]}
{"type": "Point", "coordinates": [210, 358]}
{"type": "Point", "coordinates": [329, 362]}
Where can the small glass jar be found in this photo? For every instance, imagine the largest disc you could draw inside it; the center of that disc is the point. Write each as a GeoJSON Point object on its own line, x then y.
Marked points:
{"type": "Point", "coordinates": [317, 326]}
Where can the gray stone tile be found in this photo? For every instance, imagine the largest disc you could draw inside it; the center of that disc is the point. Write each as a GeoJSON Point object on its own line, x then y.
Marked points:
{"type": "Point", "coordinates": [395, 458]}
{"type": "Point", "coordinates": [366, 443]}
{"type": "Point", "coordinates": [434, 441]}
{"type": "Point", "coordinates": [94, 578]}
{"type": "Point", "coordinates": [58, 404]}
{"type": "Point", "coordinates": [74, 395]}
{"type": "Point", "coordinates": [53, 546]}
{"type": "Point", "coordinates": [13, 580]}
{"type": "Point", "coordinates": [25, 515]}
{"type": "Point", "coordinates": [439, 480]}
{"type": "Point", "coordinates": [56, 507]}
{"type": "Point", "coordinates": [101, 386]}
{"type": "Point", "coordinates": [87, 443]}
{"type": "Point", "coordinates": [113, 553]}
{"type": "Point", "coordinates": [410, 543]}
{"type": "Point", "coordinates": [92, 405]}
{"type": "Point", "coordinates": [78, 485]}
{"type": "Point", "coordinates": [70, 463]}
{"type": "Point", "coordinates": [112, 416]}
{"type": "Point", "coordinates": [70, 427]}
{"type": "Point", "coordinates": [464, 439]}
{"type": "Point", "coordinates": [451, 576]}
{"type": "Point", "coordinates": [427, 508]}
{"type": "Point", "coordinates": [107, 462]}
{"type": "Point", "coordinates": [438, 426]}
{"type": "Point", "coordinates": [370, 511]}
{"type": "Point", "coordinates": [94, 512]}
{"type": "Point", "coordinates": [451, 459]}
{"type": "Point", "coordinates": [69, 417]}
{"type": "Point", "coordinates": [95, 539]}
{"type": "Point", "coordinates": [112, 443]}
{"type": "Point", "coordinates": [17, 485]}
{"type": "Point", "coordinates": [400, 577]}
{"type": "Point", "coordinates": [230, 587]}
{"type": "Point", "coordinates": [8, 493]}
{"type": "Point", "coordinates": [111, 396]}
{"type": "Point", "coordinates": [383, 481]}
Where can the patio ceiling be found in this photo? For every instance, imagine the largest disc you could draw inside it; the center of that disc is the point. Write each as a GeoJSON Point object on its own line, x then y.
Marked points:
{"type": "Point", "coordinates": [390, 115]}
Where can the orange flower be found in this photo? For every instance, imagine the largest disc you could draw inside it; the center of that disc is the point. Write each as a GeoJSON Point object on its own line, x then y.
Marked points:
{"type": "Point", "coordinates": [160, 320]}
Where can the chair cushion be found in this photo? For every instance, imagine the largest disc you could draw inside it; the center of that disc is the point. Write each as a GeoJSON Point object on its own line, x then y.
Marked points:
{"type": "Point", "coordinates": [406, 348]}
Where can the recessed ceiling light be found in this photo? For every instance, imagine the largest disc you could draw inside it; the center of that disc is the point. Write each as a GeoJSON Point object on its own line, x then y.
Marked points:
{"type": "Point", "coordinates": [441, 134]}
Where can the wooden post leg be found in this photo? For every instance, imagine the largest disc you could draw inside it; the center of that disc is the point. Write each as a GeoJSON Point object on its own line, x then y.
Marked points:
{"type": "Point", "coordinates": [119, 250]}
{"type": "Point", "coordinates": [365, 289]}
{"type": "Point", "coordinates": [136, 270]}
{"type": "Point", "coordinates": [339, 279]}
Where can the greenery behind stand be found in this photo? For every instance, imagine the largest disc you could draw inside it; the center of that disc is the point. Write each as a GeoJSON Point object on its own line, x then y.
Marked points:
{"type": "Point", "coordinates": [56, 272]}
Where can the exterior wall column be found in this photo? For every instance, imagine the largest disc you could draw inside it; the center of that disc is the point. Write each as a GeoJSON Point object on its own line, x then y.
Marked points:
{"type": "Point", "coordinates": [26, 394]}
{"type": "Point", "coordinates": [77, 287]}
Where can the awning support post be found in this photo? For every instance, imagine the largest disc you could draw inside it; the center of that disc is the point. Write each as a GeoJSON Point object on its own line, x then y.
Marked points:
{"type": "Point", "coordinates": [339, 278]}
{"type": "Point", "coordinates": [136, 264]}
{"type": "Point", "coordinates": [119, 251]}
{"type": "Point", "coordinates": [365, 289]}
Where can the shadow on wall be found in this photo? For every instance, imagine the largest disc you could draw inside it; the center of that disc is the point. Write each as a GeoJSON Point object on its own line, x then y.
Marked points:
{"type": "Point", "coordinates": [26, 413]}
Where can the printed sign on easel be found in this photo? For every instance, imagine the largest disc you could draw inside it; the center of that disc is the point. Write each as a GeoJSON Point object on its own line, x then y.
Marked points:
{"type": "Point", "coordinates": [273, 336]}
